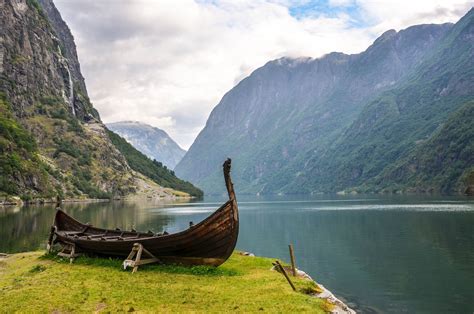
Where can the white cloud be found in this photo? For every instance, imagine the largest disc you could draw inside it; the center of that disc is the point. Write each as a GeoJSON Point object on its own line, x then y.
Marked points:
{"type": "Point", "coordinates": [399, 14]}
{"type": "Point", "coordinates": [342, 3]}
{"type": "Point", "coordinates": [168, 63]}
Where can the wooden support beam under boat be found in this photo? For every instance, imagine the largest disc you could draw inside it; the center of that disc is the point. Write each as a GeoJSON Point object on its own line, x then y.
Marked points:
{"type": "Point", "coordinates": [138, 250]}
{"type": "Point", "coordinates": [69, 251]}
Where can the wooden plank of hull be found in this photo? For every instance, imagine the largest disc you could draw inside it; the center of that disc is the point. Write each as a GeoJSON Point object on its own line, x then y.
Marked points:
{"type": "Point", "coordinates": [209, 242]}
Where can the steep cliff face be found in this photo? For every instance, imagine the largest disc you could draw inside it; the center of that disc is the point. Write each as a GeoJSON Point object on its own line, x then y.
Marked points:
{"type": "Point", "coordinates": [72, 148]}
{"type": "Point", "coordinates": [283, 124]}
{"type": "Point", "coordinates": [52, 141]}
{"type": "Point", "coordinates": [68, 48]}
{"type": "Point", "coordinates": [38, 66]}
{"type": "Point", "coordinates": [152, 141]}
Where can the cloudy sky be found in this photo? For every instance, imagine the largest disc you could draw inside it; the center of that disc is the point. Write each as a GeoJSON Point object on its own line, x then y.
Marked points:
{"type": "Point", "coordinates": [169, 62]}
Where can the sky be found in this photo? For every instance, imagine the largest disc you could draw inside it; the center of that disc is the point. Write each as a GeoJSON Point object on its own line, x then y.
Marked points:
{"type": "Point", "coordinates": [168, 63]}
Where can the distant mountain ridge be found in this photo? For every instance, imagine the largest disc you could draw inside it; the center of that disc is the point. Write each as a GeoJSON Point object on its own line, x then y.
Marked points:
{"type": "Point", "coordinates": [151, 141]}
{"type": "Point", "coordinates": [342, 122]}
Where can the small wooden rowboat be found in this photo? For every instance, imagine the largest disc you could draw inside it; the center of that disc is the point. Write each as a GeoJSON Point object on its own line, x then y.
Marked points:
{"type": "Point", "coordinates": [209, 242]}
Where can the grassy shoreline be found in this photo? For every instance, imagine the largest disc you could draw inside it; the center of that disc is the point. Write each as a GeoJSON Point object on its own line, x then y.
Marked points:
{"type": "Point", "coordinates": [35, 282]}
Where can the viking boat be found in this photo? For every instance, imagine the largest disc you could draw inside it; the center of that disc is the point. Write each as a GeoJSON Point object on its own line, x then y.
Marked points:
{"type": "Point", "coordinates": [209, 242]}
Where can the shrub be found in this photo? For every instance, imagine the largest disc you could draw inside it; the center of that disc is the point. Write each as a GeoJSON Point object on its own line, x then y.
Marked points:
{"type": "Point", "coordinates": [66, 147]}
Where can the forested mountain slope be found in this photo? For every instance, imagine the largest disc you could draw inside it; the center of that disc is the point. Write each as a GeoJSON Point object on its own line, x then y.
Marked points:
{"type": "Point", "coordinates": [340, 121]}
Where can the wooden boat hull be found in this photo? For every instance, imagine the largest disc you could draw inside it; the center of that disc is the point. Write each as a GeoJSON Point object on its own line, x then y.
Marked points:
{"type": "Point", "coordinates": [209, 242]}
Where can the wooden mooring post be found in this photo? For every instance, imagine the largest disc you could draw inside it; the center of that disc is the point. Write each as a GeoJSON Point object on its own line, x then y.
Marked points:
{"type": "Point", "coordinates": [277, 264]}
{"type": "Point", "coordinates": [292, 256]}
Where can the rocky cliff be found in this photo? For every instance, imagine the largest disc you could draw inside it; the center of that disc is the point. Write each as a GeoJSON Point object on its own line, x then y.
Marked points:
{"type": "Point", "coordinates": [152, 141]}
{"type": "Point", "coordinates": [329, 124]}
{"type": "Point", "coordinates": [68, 47]}
{"type": "Point", "coordinates": [52, 141]}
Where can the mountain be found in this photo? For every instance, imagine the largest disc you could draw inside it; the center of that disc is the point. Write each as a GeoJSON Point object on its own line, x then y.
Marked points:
{"type": "Point", "coordinates": [52, 141]}
{"type": "Point", "coordinates": [151, 141]}
{"type": "Point", "coordinates": [151, 168]}
{"type": "Point", "coordinates": [343, 122]}
{"type": "Point", "coordinates": [441, 160]}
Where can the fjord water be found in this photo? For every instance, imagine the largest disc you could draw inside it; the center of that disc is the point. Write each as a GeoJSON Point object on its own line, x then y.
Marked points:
{"type": "Point", "coordinates": [380, 254]}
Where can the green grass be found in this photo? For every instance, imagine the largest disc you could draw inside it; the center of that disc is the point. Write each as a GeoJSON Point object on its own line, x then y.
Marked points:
{"type": "Point", "coordinates": [34, 282]}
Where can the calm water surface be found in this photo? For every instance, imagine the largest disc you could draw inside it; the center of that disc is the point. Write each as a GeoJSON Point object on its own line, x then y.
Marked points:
{"type": "Point", "coordinates": [380, 254]}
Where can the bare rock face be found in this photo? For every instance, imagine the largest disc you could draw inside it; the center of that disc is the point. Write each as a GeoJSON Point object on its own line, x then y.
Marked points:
{"type": "Point", "coordinates": [65, 36]}
{"type": "Point", "coordinates": [42, 89]}
{"type": "Point", "coordinates": [79, 97]}
{"type": "Point", "coordinates": [39, 59]}
{"type": "Point", "coordinates": [30, 68]}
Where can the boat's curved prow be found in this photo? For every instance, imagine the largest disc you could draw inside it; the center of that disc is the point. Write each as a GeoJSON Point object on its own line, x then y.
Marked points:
{"type": "Point", "coordinates": [235, 210]}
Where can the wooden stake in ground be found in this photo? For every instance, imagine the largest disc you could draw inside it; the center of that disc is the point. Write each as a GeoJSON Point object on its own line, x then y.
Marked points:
{"type": "Point", "coordinates": [292, 256]}
{"type": "Point", "coordinates": [277, 264]}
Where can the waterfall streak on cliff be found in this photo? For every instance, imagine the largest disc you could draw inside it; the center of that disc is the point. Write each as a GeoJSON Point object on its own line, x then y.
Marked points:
{"type": "Point", "coordinates": [69, 99]}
